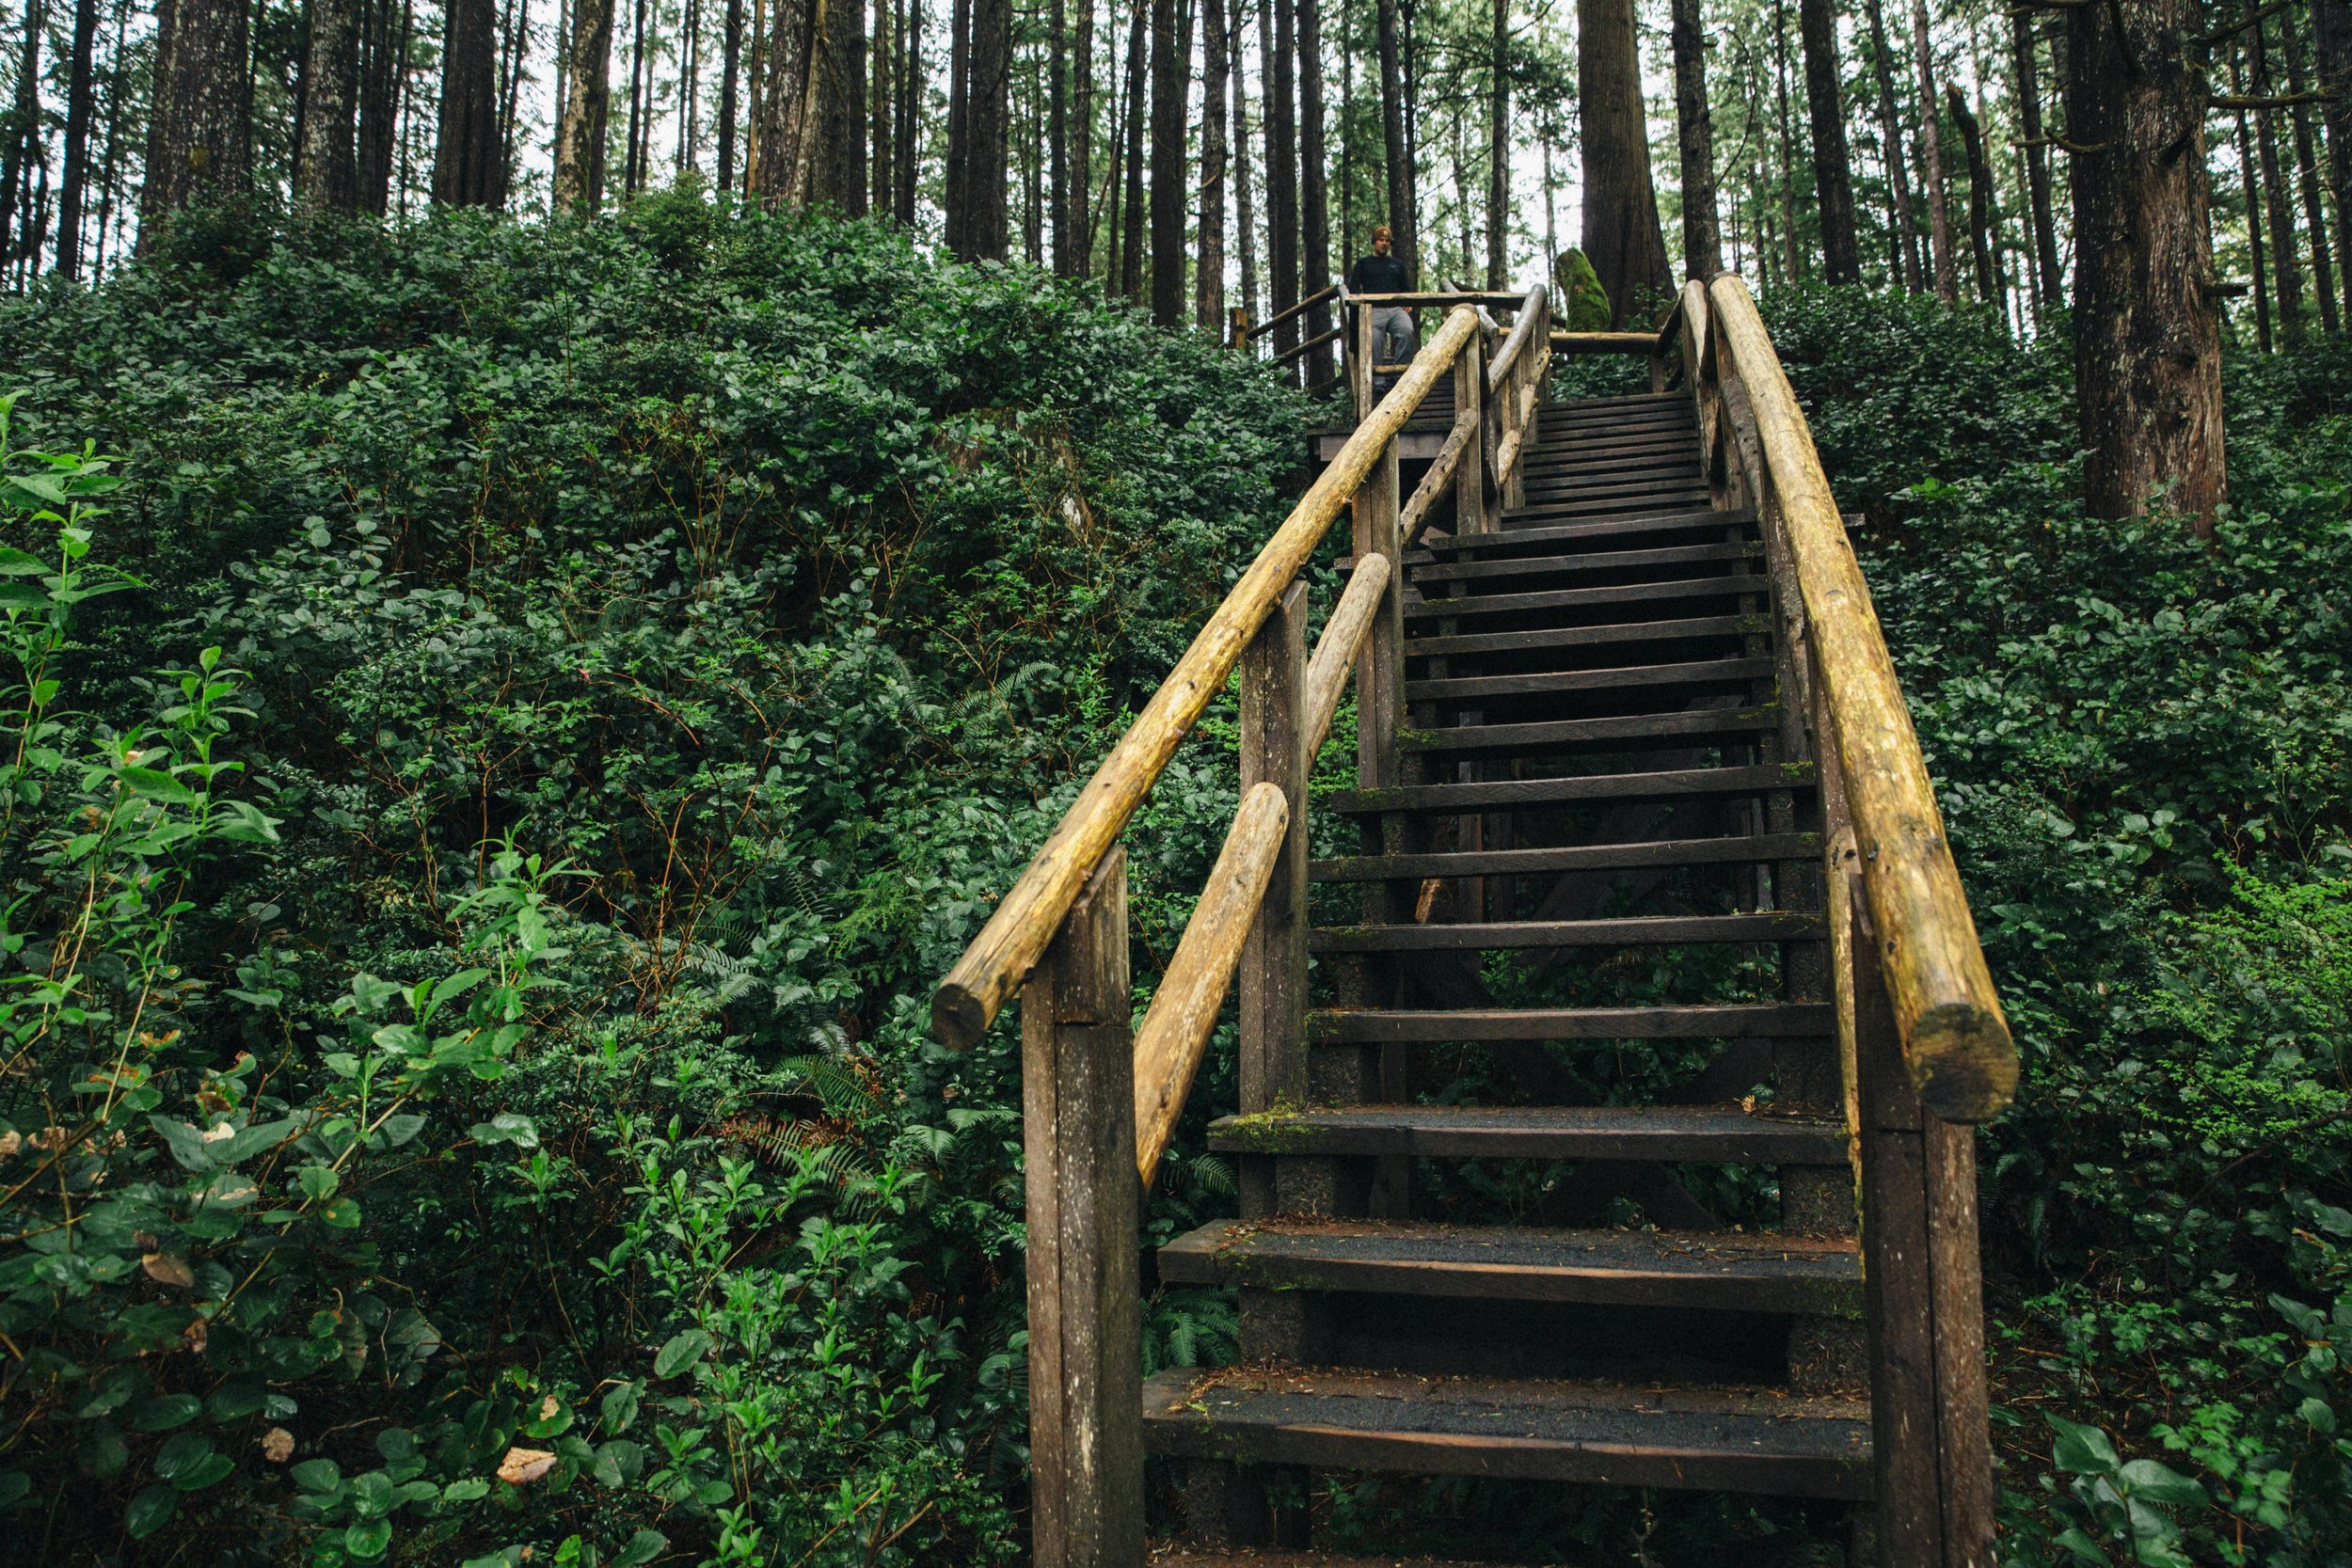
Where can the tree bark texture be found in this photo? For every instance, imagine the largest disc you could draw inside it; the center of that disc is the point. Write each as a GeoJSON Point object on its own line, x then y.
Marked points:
{"type": "Point", "coordinates": [80, 102]}
{"type": "Point", "coordinates": [2253, 228]}
{"type": "Point", "coordinates": [1079, 204]}
{"type": "Point", "coordinates": [1208, 277]}
{"type": "Point", "coordinates": [1275, 24]}
{"type": "Point", "coordinates": [988, 112]}
{"type": "Point", "coordinates": [1058, 130]}
{"type": "Point", "coordinates": [2147, 347]}
{"type": "Point", "coordinates": [1622, 238]}
{"type": "Point", "coordinates": [1980, 213]}
{"type": "Point", "coordinates": [580, 135]}
{"type": "Point", "coordinates": [1833, 171]}
{"type": "Point", "coordinates": [200, 144]}
{"type": "Point", "coordinates": [2286, 263]}
{"type": "Point", "coordinates": [780, 108]}
{"type": "Point", "coordinates": [730, 78]}
{"type": "Point", "coordinates": [954, 198]}
{"type": "Point", "coordinates": [1169, 183]}
{"type": "Point", "coordinates": [1245, 201]}
{"type": "Point", "coordinates": [2307, 174]}
{"type": "Point", "coordinates": [1138, 89]}
{"type": "Point", "coordinates": [1314, 189]}
{"type": "Point", "coordinates": [910, 112]}
{"type": "Point", "coordinates": [23, 135]}
{"type": "Point", "coordinates": [1403, 195]}
{"type": "Point", "coordinates": [1499, 146]}
{"type": "Point", "coordinates": [836, 165]}
{"type": "Point", "coordinates": [1891, 146]}
{"type": "Point", "coordinates": [1932, 160]}
{"type": "Point", "coordinates": [1695, 130]}
{"type": "Point", "coordinates": [2026, 64]}
{"type": "Point", "coordinates": [2331, 43]}
{"type": "Point", "coordinates": [469, 157]}
{"type": "Point", "coordinates": [881, 77]}
{"type": "Point", "coordinates": [383, 47]}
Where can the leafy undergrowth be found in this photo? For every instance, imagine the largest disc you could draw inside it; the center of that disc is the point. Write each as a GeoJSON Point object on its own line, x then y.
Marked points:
{"type": "Point", "coordinates": [2143, 747]}
{"type": "Point", "coordinates": [470, 900]}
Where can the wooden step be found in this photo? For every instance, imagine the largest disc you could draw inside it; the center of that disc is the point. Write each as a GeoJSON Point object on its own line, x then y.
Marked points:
{"type": "Point", "coordinates": [1610, 479]}
{"type": "Point", "coordinates": [1618, 400]}
{"type": "Point", "coordinates": [1171, 1554]}
{"type": "Point", "coordinates": [1683, 439]}
{"type": "Point", "coordinates": [1570, 533]}
{"type": "Point", "coordinates": [1734, 586]}
{"type": "Point", "coordinates": [1589, 560]}
{"type": "Point", "coordinates": [1560, 734]}
{"type": "Point", "coordinates": [1714, 1134]}
{"type": "Point", "coordinates": [1732, 849]}
{"type": "Point", "coordinates": [1695, 627]}
{"type": "Point", "coordinates": [1725, 1270]}
{"type": "Point", "coordinates": [1441, 1027]}
{"type": "Point", "coordinates": [1517, 794]}
{"type": "Point", "coordinates": [1559, 421]}
{"type": "Point", "coordinates": [1706, 672]}
{"type": "Point", "coordinates": [1641, 930]}
{"type": "Point", "coordinates": [1707, 1439]}
{"type": "Point", "coordinates": [1691, 496]}
{"type": "Point", "coordinates": [1646, 452]}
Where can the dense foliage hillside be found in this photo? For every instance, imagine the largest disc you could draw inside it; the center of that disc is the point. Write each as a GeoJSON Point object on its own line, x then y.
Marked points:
{"type": "Point", "coordinates": [478, 1004]}
{"type": "Point", "coordinates": [511, 720]}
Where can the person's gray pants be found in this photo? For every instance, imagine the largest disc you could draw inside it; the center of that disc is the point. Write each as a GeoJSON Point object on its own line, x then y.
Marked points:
{"type": "Point", "coordinates": [1393, 340]}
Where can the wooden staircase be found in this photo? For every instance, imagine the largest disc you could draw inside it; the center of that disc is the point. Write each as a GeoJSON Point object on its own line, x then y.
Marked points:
{"type": "Point", "coordinates": [1647, 880]}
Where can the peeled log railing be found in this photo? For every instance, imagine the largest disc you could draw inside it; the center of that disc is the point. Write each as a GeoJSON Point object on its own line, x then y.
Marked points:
{"type": "Point", "coordinates": [1100, 1101]}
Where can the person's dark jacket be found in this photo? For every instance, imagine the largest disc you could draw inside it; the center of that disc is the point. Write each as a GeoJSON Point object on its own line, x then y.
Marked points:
{"type": "Point", "coordinates": [1377, 274]}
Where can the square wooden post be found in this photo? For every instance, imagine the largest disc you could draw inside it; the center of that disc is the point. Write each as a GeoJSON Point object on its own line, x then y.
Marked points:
{"type": "Point", "coordinates": [1086, 1329]}
{"type": "Point", "coordinates": [1359, 361]}
{"type": "Point", "coordinates": [1273, 977]}
{"type": "Point", "coordinates": [1470, 480]}
{"type": "Point", "coordinates": [1380, 665]}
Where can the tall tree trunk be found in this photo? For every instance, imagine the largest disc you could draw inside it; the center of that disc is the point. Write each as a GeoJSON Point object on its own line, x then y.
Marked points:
{"type": "Point", "coordinates": [23, 128]}
{"type": "Point", "coordinates": [1787, 184]}
{"type": "Point", "coordinates": [199, 145]}
{"type": "Point", "coordinates": [1621, 234]}
{"type": "Point", "coordinates": [1891, 148]}
{"type": "Point", "coordinates": [1404, 200]}
{"type": "Point", "coordinates": [1028, 134]}
{"type": "Point", "coordinates": [469, 157]}
{"type": "Point", "coordinates": [2026, 68]}
{"type": "Point", "coordinates": [2253, 217]}
{"type": "Point", "coordinates": [1833, 172]}
{"type": "Point", "coordinates": [911, 80]}
{"type": "Point", "coordinates": [730, 71]}
{"type": "Point", "coordinates": [1208, 278]}
{"type": "Point", "coordinates": [881, 71]}
{"type": "Point", "coordinates": [515, 44]}
{"type": "Point", "coordinates": [2147, 349]}
{"type": "Point", "coordinates": [1169, 183]}
{"type": "Point", "coordinates": [836, 168]}
{"type": "Point", "coordinates": [632, 166]}
{"type": "Point", "coordinates": [1314, 195]}
{"type": "Point", "coordinates": [2286, 267]}
{"type": "Point", "coordinates": [111, 162]}
{"type": "Point", "coordinates": [1281, 166]}
{"type": "Point", "coordinates": [1980, 215]}
{"type": "Point", "coordinates": [1057, 133]}
{"type": "Point", "coordinates": [1931, 159]}
{"type": "Point", "coordinates": [382, 43]}
{"type": "Point", "coordinates": [1245, 201]}
{"type": "Point", "coordinates": [2331, 45]}
{"type": "Point", "coordinates": [1694, 135]}
{"type": "Point", "coordinates": [80, 102]}
{"type": "Point", "coordinates": [1079, 204]}
{"type": "Point", "coordinates": [579, 136]}
{"type": "Point", "coordinates": [1138, 92]}
{"type": "Point", "coordinates": [2307, 173]}
{"type": "Point", "coordinates": [955, 194]}
{"type": "Point", "coordinates": [780, 118]}
{"type": "Point", "coordinates": [1497, 145]}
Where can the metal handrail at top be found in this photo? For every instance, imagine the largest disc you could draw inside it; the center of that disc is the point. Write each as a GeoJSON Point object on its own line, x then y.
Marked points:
{"type": "Point", "coordinates": [1016, 936]}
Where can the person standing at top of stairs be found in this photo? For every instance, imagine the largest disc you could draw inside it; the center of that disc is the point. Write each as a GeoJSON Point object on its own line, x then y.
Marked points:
{"type": "Point", "coordinates": [1394, 342]}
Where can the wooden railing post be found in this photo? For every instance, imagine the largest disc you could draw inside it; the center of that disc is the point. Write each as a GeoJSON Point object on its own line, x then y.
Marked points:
{"type": "Point", "coordinates": [1360, 358]}
{"type": "Point", "coordinates": [1380, 667]}
{"type": "Point", "coordinates": [1273, 978]}
{"type": "Point", "coordinates": [1085, 1354]}
{"type": "Point", "coordinates": [1471, 514]}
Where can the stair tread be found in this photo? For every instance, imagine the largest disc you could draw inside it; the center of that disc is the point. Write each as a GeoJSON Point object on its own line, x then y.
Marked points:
{"type": "Point", "coordinates": [1517, 538]}
{"type": "Point", "coordinates": [1709, 1440]}
{"type": "Point", "coordinates": [1434, 646]}
{"type": "Point", "coordinates": [1539, 736]}
{"type": "Point", "coordinates": [1699, 1021]}
{"type": "Point", "coordinates": [1725, 1270]}
{"type": "Point", "coordinates": [1676, 497]}
{"type": "Point", "coordinates": [1587, 561]}
{"type": "Point", "coordinates": [1169, 1554]}
{"type": "Point", "coordinates": [1569, 598]}
{"type": "Point", "coordinates": [1728, 1134]}
{"type": "Point", "coordinates": [1507, 793]}
{"type": "Point", "coordinates": [1733, 849]}
{"type": "Point", "coordinates": [1639, 930]}
{"type": "Point", "coordinates": [1684, 673]}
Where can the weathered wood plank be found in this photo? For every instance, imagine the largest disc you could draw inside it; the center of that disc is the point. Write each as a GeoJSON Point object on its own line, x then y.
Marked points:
{"type": "Point", "coordinates": [1645, 930]}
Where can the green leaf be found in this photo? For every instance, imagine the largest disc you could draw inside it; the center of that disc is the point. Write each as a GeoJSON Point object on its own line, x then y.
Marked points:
{"type": "Point", "coordinates": [465, 1491]}
{"type": "Point", "coordinates": [15, 1485]}
{"type": "Point", "coordinates": [643, 1548]}
{"type": "Point", "coordinates": [341, 1212]}
{"type": "Point", "coordinates": [156, 785]}
{"type": "Point", "coordinates": [506, 1128]}
{"type": "Point", "coordinates": [150, 1511]}
{"type": "Point", "coordinates": [183, 1456]}
{"type": "Point", "coordinates": [368, 1539]}
{"type": "Point", "coordinates": [682, 1351]}
{"type": "Point", "coordinates": [23, 596]}
{"type": "Point", "coordinates": [319, 1182]}
{"type": "Point", "coordinates": [2146, 1479]}
{"type": "Point", "coordinates": [2084, 1548]}
{"type": "Point", "coordinates": [16, 564]}
{"type": "Point", "coordinates": [619, 1411]}
{"type": "Point", "coordinates": [2082, 1450]}
{"type": "Point", "coordinates": [319, 1475]}
{"type": "Point", "coordinates": [164, 1411]}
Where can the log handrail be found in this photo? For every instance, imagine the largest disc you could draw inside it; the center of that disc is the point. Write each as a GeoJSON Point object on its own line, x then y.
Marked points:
{"type": "Point", "coordinates": [1335, 650]}
{"type": "Point", "coordinates": [1314, 342]}
{"type": "Point", "coordinates": [1565, 341]}
{"type": "Point", "coordinates": [1321, 296]}
{"type": "Point", "coordinates": [1442, 296]}
{"type": "Point", "coordinates": [969, 998]}
{"type": "Point", "coordinates": [1955, 1041]}
{"type": "Point", "coordinates": [1522, 331]}
{"type": "Point", "coordinates": [1415, 516]}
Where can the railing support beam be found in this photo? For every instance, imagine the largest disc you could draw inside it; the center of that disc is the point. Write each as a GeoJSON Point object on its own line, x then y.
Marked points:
{"type": "Point", "coordinates": [1078, 1131]}
{"type": "Point", "coordinates": [1272, 978]}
